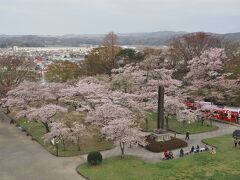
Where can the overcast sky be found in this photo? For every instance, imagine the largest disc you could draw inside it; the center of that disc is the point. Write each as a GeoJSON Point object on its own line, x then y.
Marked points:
{"type": "Point", "coordinates": [56, 17]}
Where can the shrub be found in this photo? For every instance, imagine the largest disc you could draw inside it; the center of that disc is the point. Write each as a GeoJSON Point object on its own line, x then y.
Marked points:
{"type": "Point", "coordinates": [94, 158]}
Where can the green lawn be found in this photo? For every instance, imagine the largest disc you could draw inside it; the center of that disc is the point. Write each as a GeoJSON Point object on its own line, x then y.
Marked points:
{"type": "Point", "coordinates": [88, 143]}
{"type": "Point", "coordinates": [225, 165]}
{"type": "Point", "coordinates": [179, 127]}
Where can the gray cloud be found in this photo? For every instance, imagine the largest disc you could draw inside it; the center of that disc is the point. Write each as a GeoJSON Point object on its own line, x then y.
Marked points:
{"type": "Point", "coordinates": [102, 16]}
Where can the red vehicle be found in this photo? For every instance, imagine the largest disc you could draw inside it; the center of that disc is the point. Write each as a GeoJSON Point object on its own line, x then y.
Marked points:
{"type": "Point", "coordinates": [229, 114]}
{"type": "Point", "coordinates": [191, 105]}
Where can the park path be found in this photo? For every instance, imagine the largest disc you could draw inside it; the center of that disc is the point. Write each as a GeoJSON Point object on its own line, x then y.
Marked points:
{"type": "Point", "coordinates": [195, 139]}
{"type": "Point", "coordinates": [24, 159]}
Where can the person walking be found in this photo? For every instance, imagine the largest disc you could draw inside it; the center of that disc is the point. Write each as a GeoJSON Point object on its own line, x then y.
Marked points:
{"type": "Point", "coordinates": [187, 135]}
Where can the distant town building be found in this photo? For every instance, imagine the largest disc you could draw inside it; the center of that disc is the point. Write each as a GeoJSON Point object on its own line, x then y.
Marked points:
{"type": "Point", "coordinates": [15, 48]}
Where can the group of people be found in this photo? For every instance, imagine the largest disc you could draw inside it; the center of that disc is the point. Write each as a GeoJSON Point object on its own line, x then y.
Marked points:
{"type": "Point", "coordinates": [167, 155]}
{"type": "Point", "coordinates": [197, 149]}
{"type": "Point", "coordinates": [236, 142]}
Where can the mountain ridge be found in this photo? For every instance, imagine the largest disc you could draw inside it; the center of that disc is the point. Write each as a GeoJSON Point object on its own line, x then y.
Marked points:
{"type": "Point", "coordinates": [157, 38]}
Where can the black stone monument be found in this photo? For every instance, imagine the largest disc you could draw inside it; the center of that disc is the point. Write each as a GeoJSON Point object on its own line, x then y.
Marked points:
{"type": "Point", "coordinates": [160, 117]}
{"type": "Point", "coordinates": [161, 134]}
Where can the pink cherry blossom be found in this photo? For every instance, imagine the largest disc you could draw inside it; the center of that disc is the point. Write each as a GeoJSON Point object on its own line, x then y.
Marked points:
{"type": "Point", "coordinates": [124, 131]}
{"type": "Point", "coordinates": [77, 132]}
{"type": "Point", "coordinates": [43, 114]}
{"type": "Point", "coordinates": [59, 132]}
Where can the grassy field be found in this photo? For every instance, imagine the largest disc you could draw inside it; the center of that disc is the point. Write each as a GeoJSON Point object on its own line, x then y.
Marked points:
{"type": "Point", "coordinates": [222, 166]}
{"type": "Point", "coordinates": [179, 127]}
{"type": "Point", "coordinates": [36, 130]}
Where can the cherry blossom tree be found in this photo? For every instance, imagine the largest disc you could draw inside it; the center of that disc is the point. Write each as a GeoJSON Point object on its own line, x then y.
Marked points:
{"type": "Point", "coordinates": [59, 132]}
{"type": "Point", "coordinates": [21, 96]}
{"type": "Point", "coordinates": [42, 115]}
{"type": "Point", "coordinates": [183, 49]}
{"type": "Point", "coordinates": [141, 113]}
{"type": "Point", "coordinates": [144, 98]}
{"type": "Point", "coordinates": [206, 77]}
{"type": "Point", "coordinates": [88, 91]}
{"type": "Point", "coordinates": [125, 132]}
{"type": "Point", "coordinates": [97, 99]}
{"type": "Point", "coordinates": [10, 102]}
{"type": "Point", "coordinates": [77, 132]}
{"type": "Point", "coordinates": [208, 66]}
{"type": "Point", "coordinates": [106, 113]}
{"type": "Point", "coordinates": [122, 82]}
{"type": "Point", "coordinates": [150, 63]}
{"type": "Point", "coordinates": [156, 77]}
{"type": "Point", "coordinates": [29, 94]}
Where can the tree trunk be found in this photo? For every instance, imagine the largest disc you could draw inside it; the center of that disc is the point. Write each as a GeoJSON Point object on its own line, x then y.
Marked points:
{"type": "Point", "coordinates": [167, 123]}
{"type": "Point", "coordinates": [112, 54]}
{"type": "Point", "coordinates": [211, 121]}
{"type": "Point", "coordinates": [100, 138]}
{"type": "Point", "coordinates": [198, 119]}
{"type": "Point", "coordinates": [64, 148]}
{"type": "Point", "coordinates": [146, 121]}
{"type": "Point", "coordinates": [122, 144]}
{"type": "Point", "coordinates": [57, 100]}
{"type": "Point", "coordinates": [57, 149]}
{"type": "Point", "coordinates": [46, 127]}
{"type": "Point", "coordinates": [8, 110]}
{"type": "Point", "coordinates": [109, 73]}
{"type": "Point", "coordinates": [147, 77]}
{"type": "Point", "coordinates": [78, 145]}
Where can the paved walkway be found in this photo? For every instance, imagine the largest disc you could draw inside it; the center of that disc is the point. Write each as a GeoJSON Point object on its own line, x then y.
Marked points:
{"type": "Point", "coordinates": [194, 141]}
{"type": "Point", "coordinates": [24, 159]}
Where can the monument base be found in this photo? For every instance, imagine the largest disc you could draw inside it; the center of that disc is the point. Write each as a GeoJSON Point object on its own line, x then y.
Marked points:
{"type": "Point", "coordinates": [157, 145]}
{"type": "Point", "coordinates": [160, 135]}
